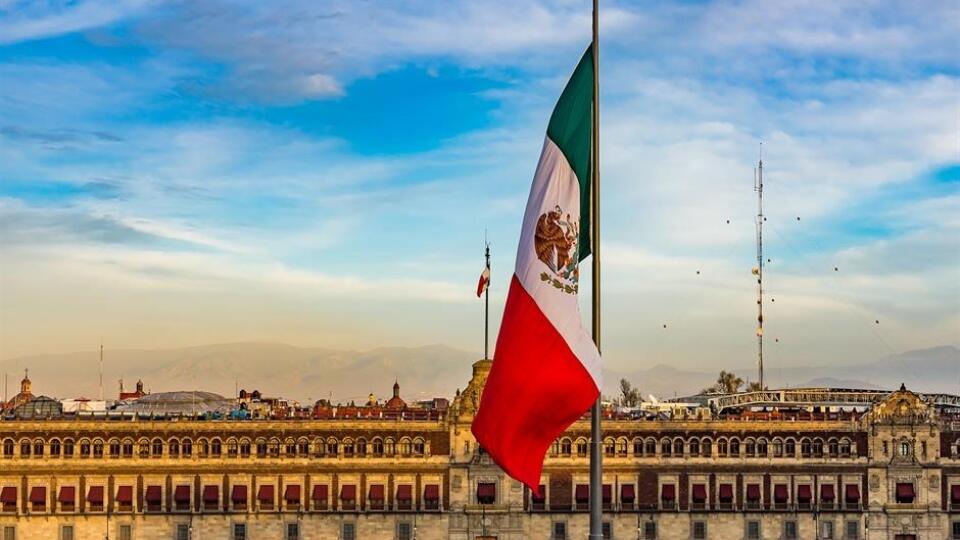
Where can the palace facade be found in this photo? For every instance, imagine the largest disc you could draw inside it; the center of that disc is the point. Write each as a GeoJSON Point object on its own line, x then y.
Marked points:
{"type": "Point", "coordinates": [760, 469]}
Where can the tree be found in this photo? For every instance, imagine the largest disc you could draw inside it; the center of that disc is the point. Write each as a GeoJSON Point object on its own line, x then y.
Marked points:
{"type": "Point", "coordinates": [755, 387]}
{"type": "Point", "coordinates": [629, 396]}
{"type": "Point", "coordinates": [727, 383]}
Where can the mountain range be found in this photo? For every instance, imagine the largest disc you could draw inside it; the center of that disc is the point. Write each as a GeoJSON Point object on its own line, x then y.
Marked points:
{"type": "Point", "coordinates": [307, 374]}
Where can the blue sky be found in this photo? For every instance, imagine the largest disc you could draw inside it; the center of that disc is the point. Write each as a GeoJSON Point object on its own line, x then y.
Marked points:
{"type": "Point", "coordinates": [323, 173]}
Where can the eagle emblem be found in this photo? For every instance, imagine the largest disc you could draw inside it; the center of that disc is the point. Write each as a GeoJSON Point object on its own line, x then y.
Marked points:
{"type": "Point", "coordinates": [555, 241]}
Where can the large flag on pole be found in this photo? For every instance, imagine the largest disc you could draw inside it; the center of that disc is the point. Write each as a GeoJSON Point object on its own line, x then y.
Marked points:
{"type": "Point", "coordinates": [546, 368]}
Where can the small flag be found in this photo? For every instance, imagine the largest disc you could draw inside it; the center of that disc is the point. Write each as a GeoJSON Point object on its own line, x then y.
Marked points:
{"type": "Point", "coordinates": [546, 368]}
{"type": "Point", "coordinates": [484, 282]}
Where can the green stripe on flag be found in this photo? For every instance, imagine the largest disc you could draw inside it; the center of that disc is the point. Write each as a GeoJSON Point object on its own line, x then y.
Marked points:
{"type": "Point", "coordinates": [569, 129]}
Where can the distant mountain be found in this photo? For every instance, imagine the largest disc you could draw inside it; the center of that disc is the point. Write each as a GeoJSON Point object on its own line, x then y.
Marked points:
{"type": "Point", "coordinates": [423, 372]}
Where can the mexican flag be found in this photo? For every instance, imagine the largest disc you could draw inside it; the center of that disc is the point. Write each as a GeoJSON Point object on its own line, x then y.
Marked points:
{"type": "Point", "coordinates": [546, 368]}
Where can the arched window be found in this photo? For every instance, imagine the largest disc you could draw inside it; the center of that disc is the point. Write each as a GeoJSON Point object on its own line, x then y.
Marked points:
{"type": "Point", "coordinates": [777, 448]}
{"type": "Point", "coordinates": [157, 448]}
{"type": "Point", "coordinates": [97, 448]}
{"type": "Point", "coordinates": [186, 447]}
{"type": "Point", "coordinates": [904, 449]}
{"type": "Point", "coordinates": [127, 448]}
{"type": "Point", "coordinates": [389, 446]}
{"type": "Point", "coordinates": [84, 448]}
{"type": "Point", "coordinates": [261, 448]}
{"type": "Point", "coordinates": [8, 447]}
{"type": "Point", "coordinates": [332, 447]}
{"type": "Point", "coordinates": [762, 448]}
{"type": "Point", "coordinates": [114, 448]}
{"type": "Point", "coordinates": [845, 447]}
{"type": "Point", "coordinates": [806, 447]}
{"type": "Point", "coordinates": [303, 447]}
{"type": "Point", "coordinates": [38, 448]}
{"type": "Point", "coordinates": [581, 447]}
{"type": "Point", "coordinates": [818, 447]}
{"type": "Point", "coordinates": [734, 448]}
{"type": "Point", "coordinates": [419, 447]}
{"type": "Point", "coordinates": [55, 448]}
{"type": "Point", "coordinates": [290, 448]}
{"type": "Point", "coordinates": [665, 447]}
{"type": "Point", "coordinates": [609, 447]}
{"type": "Point", "coordinates": [216, 448]}
{"type": "Point", "coordinates": [406, 447]}
{"type": "Point", "coordinates": [378, 446]}
{"type": "Point", "coordinates": [706, 447]}
{"type": "Point", "coordinates": [203, 448]}
{"type": "Point", "coordinates": [650, 447]}
{"type": "Point", "coordinates": [25, 448]}
{"type": "Point", "coordinates": [348, 448]}
{"type": "Point", "coordinates": [244, 447]}
{"type": "Point", "coordinates": [173, 448]}
{"type": "Point", "coordinates": [833, 447]}
{"type": "Point", "coordinates": [750, 448]}
{"type": "Point", "coordinates": [233, 447]}
{"type": "Point", "coordinates": [790, 448]}
{"type": "Point", "coordinates": [638, 447]}
{"type": "Point", "coordinates": [273, 447]}
{"type": "Point", "coordinates": [678, 447]}
{"type": "Point", "coordinates": [694, 447]}
{"type": "Point", "coordinates": [722, 448]}
{"type": "Point", "coordinates": [68, 448]}
{"type": "Point", "coordinates": [566, 446]}
{"type": "Point", "coordinates": [622, 447]}
{"type": "Point", "coordinates": [143, 448]}
{"type": "Point", "coordinates": [555, 448]}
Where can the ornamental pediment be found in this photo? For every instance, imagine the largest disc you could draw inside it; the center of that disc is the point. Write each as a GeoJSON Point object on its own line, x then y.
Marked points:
{"type": "Point", "coordinates": [902, 406]}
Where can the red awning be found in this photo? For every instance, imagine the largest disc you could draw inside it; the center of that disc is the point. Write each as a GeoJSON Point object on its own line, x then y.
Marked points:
{"type": "Point", "coordinates": [38, 495]}
{"type": "Point", "coordinates": [125, 494]}
{"type": "Point", "coordinates": [154, 495]}
{"type": "Point", "coordinates": [955, 494]}
{"type": "Point", "coordinates": [699, 493]}
{"type": "Point", "coordinates": [626, 493]}
{"type": "Point", "coordinates": [8, 495]}
{"type": "Point", "coordinates": [668, 492]}
{"type": "Point", "coordinates": [68, 495]}
{"type": "Point", "coordinates": [726, 493]}
{"type": "Point", "coordinates": [291, 493]}
{"type": "Point", "coordinates": [181, 494]}
{"type": "Point", "coordinates": [95, 495]}
{"type": "Point", "coordinates": [265, 493]}
{"type": "Point", "coordinates": [804, 493]}
{"type": "Point", "coordinates": [826, 492]}
{"type": "Point", "coordinates": [753, 492]}
{"type": "Point", "coordinates": [348, 492]}
{"type": "Point", "coordinates": [905, 492]}
{"type": "Point", "coordinates": [780, 493]}
{"type": "Point", "coordinates": [607, 493]}
{"type": "Point", "coordinates": [320, 492]}
{"type": "Point", "coordinates": [582, 494]}
{"type": "Point", "coordinates": [376, 492]}
{"type": "Point", "coordinates": [431, 492]}
{"type": "Point", "coordinates": [853, 493]}
{"type": "Point", "coordinates": [405, 493]}
{"type": "Point", "coordinates": [239, 495]}
{"type": "Point", "coordinates": [211, 494]}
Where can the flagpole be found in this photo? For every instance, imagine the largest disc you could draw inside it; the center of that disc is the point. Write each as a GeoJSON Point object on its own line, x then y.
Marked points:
{"type": "Point", "coordinates": [486, 311]}
{"type": "Point", "coordinates": [596, 445]}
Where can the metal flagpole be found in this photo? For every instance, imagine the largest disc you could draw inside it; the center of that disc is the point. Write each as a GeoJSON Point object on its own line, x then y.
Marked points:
{"type": "Point", "coordinates": [596, 444]}
{"type": "Point", "coordinates": [486, 311]}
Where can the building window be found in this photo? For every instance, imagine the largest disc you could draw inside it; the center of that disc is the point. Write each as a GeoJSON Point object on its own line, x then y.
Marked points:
{"type": "Point", "coordinates": [8, 448]}
{"type": "Point", "coordinates": [606, 529]}
{"type": "Point", "coordinates": [581, 447]}
{"type": "Point", "coordinates": [790, 530]}
{"type": "Point", "coordinates": [955, 530]}
{"type": "Point", "coordinates": [293, 531]}
{"type": "Point", "coordinates": [826, 530]}
{"type": "Point", "coordinates": [753, 530]}
{"type": "Point", "coordinates": [239, 531]}
{"type": "Point", "coordinates": [559, 530]}
{"type": "Point", "coordinates": [183, 531]}
{"type": "Point", "coordinates": [125, 532]}
{"type": "Point", "coordinates": [66, 532]}
{"type": "Point", "coordinates": [404, 531]}
{"type": "Point", "coordinates": [904, 449]}
{"type": "Point", "coordinates": [853, 530]}
{"type": "Point", "coordinates": [886, 448]}
{"type": "Point", "coordinates": [699, 530]}
{"type": "Point", "coordinates": [348, 531]}
{"type": "Point", "coordinates": [9, 532]}
{"type": "Point", "coordinates": [650, 530]}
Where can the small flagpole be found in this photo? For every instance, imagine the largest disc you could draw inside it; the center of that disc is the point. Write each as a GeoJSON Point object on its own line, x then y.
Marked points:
{"type": "Point", "coordinates": [596, 442]}
{"type": "Point", "coordinates": [486, 311]}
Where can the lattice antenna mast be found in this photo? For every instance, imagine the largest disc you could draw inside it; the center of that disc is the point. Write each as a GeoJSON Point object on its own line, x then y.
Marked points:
{"type": "Point", "coordinates": [758, 270]}
{"type": "Point", "coordinates": [101, 369]}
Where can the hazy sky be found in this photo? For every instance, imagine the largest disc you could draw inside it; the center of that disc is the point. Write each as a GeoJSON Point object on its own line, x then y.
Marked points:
{"type": "Point", "coordinates": [322, 173]}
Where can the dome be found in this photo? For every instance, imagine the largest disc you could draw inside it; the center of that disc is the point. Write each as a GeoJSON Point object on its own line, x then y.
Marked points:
{"type": "Point", "coordinates": [189, 402]}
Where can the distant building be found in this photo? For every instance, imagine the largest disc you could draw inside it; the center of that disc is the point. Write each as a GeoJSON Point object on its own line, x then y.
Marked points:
{"type": "Point", "coordinates": [130, 396]}
{"type": "Point", "coordinates": [768, 465]}
{"type": "Point", "coordinates": [25, 395]}
{"type": "Point", "coordinates": [83, 405]}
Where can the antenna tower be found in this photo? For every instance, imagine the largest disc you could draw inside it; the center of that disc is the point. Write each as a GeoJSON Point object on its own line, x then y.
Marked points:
{"type": "Point", "coordinates": [101, 370]}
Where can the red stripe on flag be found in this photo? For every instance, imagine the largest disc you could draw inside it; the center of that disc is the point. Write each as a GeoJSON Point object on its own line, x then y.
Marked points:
{"type": "Point", "coordinates": [535, 390]}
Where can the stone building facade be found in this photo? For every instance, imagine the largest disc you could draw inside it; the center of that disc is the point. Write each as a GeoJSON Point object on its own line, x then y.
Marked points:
{"type": "Point", "coordinates": [889, 472]}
